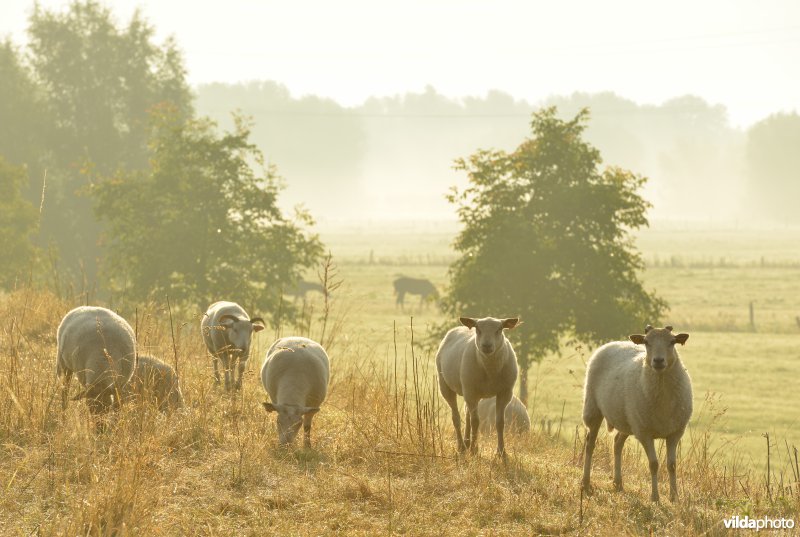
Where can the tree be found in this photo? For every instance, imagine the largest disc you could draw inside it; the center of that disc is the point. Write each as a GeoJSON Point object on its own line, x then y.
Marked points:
{"type": "Point", "coordinates": [546, 235]}
{"type": "Point", "coordinates": [17, 223]}
{"type": "Point", "coordinates": [98, 81]}
{"type": "Point", "coordinates": [201, 225]}
{"type": "Point", "coordinates": [773, 167]}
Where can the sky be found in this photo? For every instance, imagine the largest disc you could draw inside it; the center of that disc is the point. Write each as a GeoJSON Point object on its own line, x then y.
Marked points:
{"type": "Point", "coordinates": [741, 54]}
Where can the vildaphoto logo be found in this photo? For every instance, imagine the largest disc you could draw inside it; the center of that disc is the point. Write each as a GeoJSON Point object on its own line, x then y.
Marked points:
{"type": "Point", "coordinates": [763, 523]}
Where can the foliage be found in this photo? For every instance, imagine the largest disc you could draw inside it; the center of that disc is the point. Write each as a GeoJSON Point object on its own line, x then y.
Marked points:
{"type": "Point", "coordinates": [546, 236]}
{"type": "Point", "coordinates": [17, 223]}
{"type": "Point", "coordinates": [201, 224]}
{"type": "Point", "coordinates": [772, 165]}
{"type": "Point", "coordinates": [97, 82]}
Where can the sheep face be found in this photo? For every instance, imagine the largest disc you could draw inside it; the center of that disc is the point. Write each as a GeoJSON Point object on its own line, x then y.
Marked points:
{"type": "Point", "coordinates": [290, 417]}
{"type": "Point", "coordinates": [175, 397]}
{"type": "Point", "coordinates": [489, 337]}
{"type": "Point", "coordinates": [660, 346]}
{"type": "Point", "coordinates": [238, 333]}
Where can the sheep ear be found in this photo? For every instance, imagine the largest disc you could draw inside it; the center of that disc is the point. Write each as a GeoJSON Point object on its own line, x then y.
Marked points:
{"type": "Point", "coordinates": [668, 327]}
{"type": "Point", "coordinates": [637, 338]}
{"type": "Point", "coordinates": [269, 407]}
{"type": "Point", "coordinates": [310, 411]}
{"type": "Point", "coordinates": [648, 328]}
{"type": "Point", "coordinates": [511, 323]}
{"type": "Point", "coordinates": [257, 327]}
{"type": "Point", "coordinates": [468, 322]}
{"type": "Point", "coordinates": [681, 338]}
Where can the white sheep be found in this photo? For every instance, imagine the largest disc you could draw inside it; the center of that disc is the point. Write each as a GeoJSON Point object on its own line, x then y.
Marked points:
{"type": "Point", "coordinates": [99, 348]}
{"type": "Point", "coordinates": [476, 365]}
{"type": "Point", "coordinates": [644, 392]}
{"type": "Point", "coordinates": [295, 374]}
{"type": "Point", "coordinates": [155, 379]}
{"type": "Point", "coordinates": [227, 331]}
{"type": "Point", "coordinates": [516, 416]}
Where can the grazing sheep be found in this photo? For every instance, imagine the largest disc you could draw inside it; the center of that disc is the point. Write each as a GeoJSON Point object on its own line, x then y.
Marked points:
{"type": "Point", "coordinates": [644, 392]}
{"type": "Point", "coordinates": [516, 416]}
{"type": "Point", "coordinates": [477, 365]}
{"type": "Point", "coordinates": [157, 380]}
{"type": "Point", "coordinates": [295, 374]}
{"type": "Point", "coordinates": [227, 331]}
{"type": "Point", "coordinates": [413, 286]}
{"type": "Point", "coordinates": [99, 347]}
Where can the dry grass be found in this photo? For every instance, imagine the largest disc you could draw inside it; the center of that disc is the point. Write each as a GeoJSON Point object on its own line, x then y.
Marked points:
{"type": "Point", "coordinates": [383, 460]}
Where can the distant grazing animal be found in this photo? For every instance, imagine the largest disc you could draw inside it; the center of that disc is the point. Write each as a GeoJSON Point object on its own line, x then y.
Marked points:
{"type": "Point", "coordinates": [227, 331]}
{"type": "Point", "coordinates": [302, 287]}
{"type": "Point", "coordinates": [477, 364]}
{"type": "Point", "coordinates": [154, 379]}
{"type": "Point", "coordinates": [99, 348]}
{"type": "Point", "coordinates": [644, 392]}
{"type": "Point", "coordinates": [413, 286]}
{"type": "Point", "coordinates": [516, 416]}
{"type": "Point", "coordinates": [295, 374]}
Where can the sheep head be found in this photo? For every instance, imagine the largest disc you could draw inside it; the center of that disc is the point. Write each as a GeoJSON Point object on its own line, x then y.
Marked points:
{"type": "Point", "coordinates": [660, 346]}
{"type": "Point", "coordinates": [489, 336]}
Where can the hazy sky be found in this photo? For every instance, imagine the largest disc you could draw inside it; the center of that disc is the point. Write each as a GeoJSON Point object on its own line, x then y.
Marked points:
{"type": "Point", "coordinates": [743, 54]}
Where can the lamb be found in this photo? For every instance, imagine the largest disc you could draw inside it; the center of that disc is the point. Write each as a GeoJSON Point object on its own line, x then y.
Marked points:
{"type": "Point", "coordinates": [157, 380]}
{"type": "Point", "coordinates": [99, 347]}
{"type": "Point", "coordinates": [227, 331]}
{"type": "Point", "coordinates": [516, 416]}
{"type": "Point", "coordinates": [646, 393]}
{"type": "Point", "coordinates": [295, 374]}
{"type": "Point", "coordinates": [477, 365]}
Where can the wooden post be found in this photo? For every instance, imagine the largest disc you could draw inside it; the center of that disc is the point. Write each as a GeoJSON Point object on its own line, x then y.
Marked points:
{"type": "Point", "coordinates": [752, 318]}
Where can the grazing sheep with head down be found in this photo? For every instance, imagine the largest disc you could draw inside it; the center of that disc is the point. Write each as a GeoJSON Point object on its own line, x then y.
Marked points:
{"type": "Point", "coordinates": [227, 331]}
{"type": "Point", "coordinates": [644, 392]}
{"type": "Point", "coordinates": [157, 380]}
{"type": "Point", "coordinates": [477, 364]}
{"type": "Point", "coordinates": [99, 348]}
{"type": "Point", "coordinates": [516, 416]}
{"type": "Point", "coordinates": [295, 374]}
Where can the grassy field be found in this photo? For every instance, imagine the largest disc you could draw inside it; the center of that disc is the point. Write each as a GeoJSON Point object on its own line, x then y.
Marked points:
{"type": "Point", "coordinates": [383, 460]}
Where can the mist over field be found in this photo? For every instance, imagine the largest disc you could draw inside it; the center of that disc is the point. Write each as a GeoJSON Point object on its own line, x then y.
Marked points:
{"type": "Point", "coordinates": [591, 207]}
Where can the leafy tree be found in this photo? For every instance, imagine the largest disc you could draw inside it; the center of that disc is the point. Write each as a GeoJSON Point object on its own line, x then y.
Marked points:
{"type": "Point", "coordinates": [773, 167]}
{"type": "Point", "coordinates": [201, 224]}
{"type": "Point", "coordinates": [17, 223]}
{"type": "Point", "coordinates": [98, 81]}
{"type": "Point", "coordinates": [546, 235]}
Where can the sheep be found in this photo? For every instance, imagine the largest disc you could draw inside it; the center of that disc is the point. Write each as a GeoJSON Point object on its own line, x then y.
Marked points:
{"type": "Point", "coordinates": [516, 416]}
{"type": "Point", "coordinates": [295, 374]}
{"type": "Point", "coordinates": [99, 347]}
{"type": "Point", "coordinates": [477, 365]}
{"type": "Point", "coordinates": [227, 331]}
{"type": "Point", "coordinates": [157, 380]}
{"type": "Point", "coordinates": [646, 393]}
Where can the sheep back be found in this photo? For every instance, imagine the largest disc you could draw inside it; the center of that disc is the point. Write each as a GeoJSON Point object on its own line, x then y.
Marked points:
{"type": "Point", "coordinates": [296, 371]}
{"type": "Point", "coordinates": [157, 379]}
{"type": "Point", "coordinates": [516, 416]}
{"type": "Point", "coordinates": [99, 347]}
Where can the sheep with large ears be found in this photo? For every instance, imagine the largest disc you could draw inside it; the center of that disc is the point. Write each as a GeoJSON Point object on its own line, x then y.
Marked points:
{"type": "Point", "coordinates": [640, 391]}
{"type": "Point", "coordinates": [99, 348]}
{"type": "Point", "coordinates": [295, 374]}
{"type": "Point", "coordinates": [227, 331]}
{"type": "Point", "coordinates": [476, 361]}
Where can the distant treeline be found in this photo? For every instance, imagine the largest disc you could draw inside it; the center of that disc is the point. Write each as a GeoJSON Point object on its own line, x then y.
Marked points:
{"type": "Point", "coordinates": [396, 153]}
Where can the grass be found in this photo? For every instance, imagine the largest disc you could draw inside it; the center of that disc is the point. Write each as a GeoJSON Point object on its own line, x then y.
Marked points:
{"type": "Point", "coordinates": [383, 460]}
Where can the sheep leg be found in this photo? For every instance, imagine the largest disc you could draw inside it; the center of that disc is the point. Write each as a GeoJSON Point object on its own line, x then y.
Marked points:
{"type": "Point", "coordinates": [652, 457]}
{"type": "Point", "coordinates": [619, 443]}
{"type": "Point", "coordinates": [242, 366]}
{"type": "Point", "coordinates": [307, 430]}
{"type": "Point", "coordinates": [672, 459]}
{"type": "Point", "coordinates": [500, 419]}
{"type": "Point", "coordinates": [473, 422]}
{"type": "Point", "coordinates": [65, 388]}
{"type": "Point", "coordinates": [226, 364]}
{"type": "Point", "coordinates": [450, 396]}
{"type": "Point", "coordinates": [215, 360]}
{"type": "Point", "coordinates": [591, 437]}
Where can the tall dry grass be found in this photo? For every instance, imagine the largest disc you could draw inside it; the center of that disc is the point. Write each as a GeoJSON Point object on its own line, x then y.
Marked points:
{"type": "Point", "coordinates": [383, 462]}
